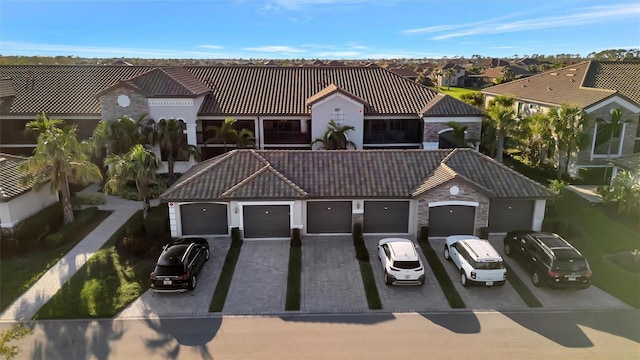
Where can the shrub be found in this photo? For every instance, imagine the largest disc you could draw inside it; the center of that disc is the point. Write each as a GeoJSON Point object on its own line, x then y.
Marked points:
{"type": "Point", "coordinates": [561, 227]}
{"type": "Point", "coordinates": [156, 224]}
{"type": "Point", "coordinates": [423, 239]}
{"type": "Point", "coordinates": [358, 240]}
{"type": "Point", "coordinates": [295, 238]}
{"type": "Point", "coordinates": [484, 232]}
{"type": "Point", "coordinates": [236, 237]}
{"type": "Point", "coordinates": [87, 199]}
{"type": "Point", "coordinates": [37, 226]}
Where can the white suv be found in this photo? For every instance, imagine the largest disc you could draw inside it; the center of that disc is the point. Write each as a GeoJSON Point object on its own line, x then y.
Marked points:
{"type": "Point", "coordinates": [477, 261]}
{"type": "Point", "coordinates": [400, 262]}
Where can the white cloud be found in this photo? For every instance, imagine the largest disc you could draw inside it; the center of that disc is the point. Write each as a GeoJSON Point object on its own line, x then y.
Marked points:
{"type": "Point", "coordinates": [275, 49]}
{"type": "Point", "coordinates": [213, 47]}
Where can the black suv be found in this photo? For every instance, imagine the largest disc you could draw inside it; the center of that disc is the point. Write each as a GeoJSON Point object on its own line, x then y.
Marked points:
{"type": "Point", "coordinates": [549, 258]}
{"type": "Point", "coordinates": [179, 265]}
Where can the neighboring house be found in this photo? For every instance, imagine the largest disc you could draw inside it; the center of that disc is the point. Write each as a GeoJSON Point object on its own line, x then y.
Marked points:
{"type": "Point", "coordinates": [630, 163]}
{"type": "Point", "coordinates": [285, 107]}
{"type": "Point", "coordinates": [498, 74]}
{"type": "Point", "coordinates": [596, 87]}
{"type": "Point", "coordinates": [405, 72]}
{"type": "Point", "coordinates": [459, 72]}
{"type": "Point", "coordinates": [266, 193]}
{"type": "Point", "coordinates": [491, 63]}
{"type": "Point", "coordinates": [18, 202]}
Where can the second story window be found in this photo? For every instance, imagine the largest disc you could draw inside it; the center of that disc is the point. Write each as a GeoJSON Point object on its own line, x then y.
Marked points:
{"type": "Point", "coordinates": [338, 116]}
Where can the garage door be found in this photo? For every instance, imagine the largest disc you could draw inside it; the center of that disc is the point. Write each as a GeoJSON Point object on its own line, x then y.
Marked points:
{"type": "Point", "coordinates": [451, 220]}
{"type": "Point", "coordinates": [266, 221]}
{"type": "Point", "coordinates": [328, 217]}
{"type": "Point", "coordinates": [507, 215]}
{"type": "Point", "coordinates": [386, 217]}
{"type": "Point", "coordinates": [204, 219]}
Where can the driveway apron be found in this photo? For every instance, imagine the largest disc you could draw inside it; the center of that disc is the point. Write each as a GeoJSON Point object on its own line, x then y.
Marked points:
{"type": "Point", "coordinates": [401, 298]}
{"type": "Point", "coordinates": [259, 282]}
{"type": "Point", "coordinates": [189, 303]}
{"type": "Point", "coordinates": [331, 279]}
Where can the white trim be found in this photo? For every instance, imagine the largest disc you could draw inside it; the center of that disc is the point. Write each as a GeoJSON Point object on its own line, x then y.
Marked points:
{"type": "Point", "coordinates": [612, 155]}
{"type": "Point", "coordinates": [453, 202]}
{"type": "Point", "coordinates": [242, 204]}
{"type": "Point", "coordinates": [615, 99]}
{"type": "Point", "coordinates": [329, 97]}
{"type": "Point", "coordinates": [430, 145]}
{"type": "Point", "coordinates": [170, 102]}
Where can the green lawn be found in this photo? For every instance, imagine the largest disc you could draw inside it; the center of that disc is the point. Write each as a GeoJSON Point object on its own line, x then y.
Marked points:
{"type": "Point", "coordinates": [20, 273]}
{"type": "Point", "coordinates": [456, 92]}
{"type": "Point", "coordinates": [102, 287]}
{"type": "Point", "coordinates": [595, 235]}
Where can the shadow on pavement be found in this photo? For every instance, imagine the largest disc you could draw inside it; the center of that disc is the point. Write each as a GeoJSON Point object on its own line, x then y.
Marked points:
{"type": "Point", "coordinates": [358, 319]}
{"type": "Point", "coordinates": [63, 340]}
{"type": "Point", "coordinates": [564, 328]}
{"type": "Point", "coordinates": [459, 323]}
{"type": "Point", "coordinates": [185, 332]}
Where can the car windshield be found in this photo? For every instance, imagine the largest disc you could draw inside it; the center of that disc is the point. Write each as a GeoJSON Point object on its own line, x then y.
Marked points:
{"type": "Point", "coordinates": [575, 264]}
{"type": "Point", "coordinates": [489, 265]}
{"type": "Point", "coordinates": [406, 264]}
{"type": "Point", "coordinates": [171, 270]}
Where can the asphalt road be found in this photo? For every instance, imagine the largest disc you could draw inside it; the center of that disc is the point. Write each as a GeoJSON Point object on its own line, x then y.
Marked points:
{"type": "Point", "coordinates": [455, 335]}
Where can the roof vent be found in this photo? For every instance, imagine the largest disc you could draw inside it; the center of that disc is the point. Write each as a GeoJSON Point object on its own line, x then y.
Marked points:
{"type": "Point", "coordinates": [572, 80]}
{"type": "Point", "coordinates": [571, 75]}
{"type": "Point", "coordinates": [524, 85]}
{"type": "Point", "coordinates": [573, 69]}
{"type": "Point", "coordinates": [549, 88]}
{"type": "Point", "coordinates": [553, 74]}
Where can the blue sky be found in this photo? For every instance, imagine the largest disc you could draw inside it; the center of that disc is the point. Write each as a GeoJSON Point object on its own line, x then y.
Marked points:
{"type": "Point", "coordinates": [310, 29]}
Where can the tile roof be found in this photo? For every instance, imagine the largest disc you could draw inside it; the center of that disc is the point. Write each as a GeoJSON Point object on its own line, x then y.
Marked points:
{"type": "Point", "coordinates": [292, 174]}
{"type": "Point", "coordinates": [581, 84]}
{"type": "Point", "coordinates": [332, 89]}
{"type": "Point", "coordinates": [10, 177]}
{"type": "Point", "coordinates": [445, 105]}
{"type": "Point", "coordinates": [235, 90]}
{"type": "Point", "coordinates": [6, 88]}
{"type": "Point", "coordinates": [629, 162]}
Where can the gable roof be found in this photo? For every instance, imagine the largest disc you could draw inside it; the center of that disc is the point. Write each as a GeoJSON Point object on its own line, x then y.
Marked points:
{"type": "Point", "coordinates": [628, 162]}
{"type": "Point", "coordinates": [329, 90]}
{"type": "Point", "coordinates": [582, 84]}
{"type": "Point", "coordinates": [295, 174]}
{"type": "Point", "coordinates": [10, 177]}
{"type": "Point", "coordinates": [445, 105]}
{"type": "Point", "coordinates": [231, 90]}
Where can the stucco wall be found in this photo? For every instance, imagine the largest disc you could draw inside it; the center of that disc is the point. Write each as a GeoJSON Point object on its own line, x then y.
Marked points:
{"type": "Point", "coordinates": [25, 205]}
{"type": "Point", "coordinates": [322, 112]}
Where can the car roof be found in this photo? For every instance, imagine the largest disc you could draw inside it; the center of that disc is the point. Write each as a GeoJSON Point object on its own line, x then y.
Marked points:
{"type": "Point", "coordinates": [403, 249]}
{"type": "Point", "coordinates": [452, 239]}
{"type": "Point", "coordinates": [172, 255]}
{"type": "Point", "coordinates": [481, 250]}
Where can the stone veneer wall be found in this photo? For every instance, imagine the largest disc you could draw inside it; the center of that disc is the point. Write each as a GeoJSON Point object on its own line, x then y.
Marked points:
{"type": "Point", "coordinates": [111, 110]}
{"type": "Point", "coordinates": [467, 193]}
{"type": "Point", "coordinates": [431, 130]}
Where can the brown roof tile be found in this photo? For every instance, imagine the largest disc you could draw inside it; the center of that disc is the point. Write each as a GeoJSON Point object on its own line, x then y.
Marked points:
{"type": "Point", "coordinates": [332, 89]}
{"type": "Point", "coordinates": [445, 105]}
{"type": "Point", "coordinates": [581, 84]}
{"type": "Point", "coordinates": [10, 177]}
{"type": "Point", "coordinates": [629, 162]}
{"type": "Point", "coordinates": [278, 174]}
{"type": "Point", "coordinates": [6, 88]}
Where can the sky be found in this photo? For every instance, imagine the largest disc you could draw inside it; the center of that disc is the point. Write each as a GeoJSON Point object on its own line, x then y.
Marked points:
{"type": "Point", "coordinates": [316, 29]}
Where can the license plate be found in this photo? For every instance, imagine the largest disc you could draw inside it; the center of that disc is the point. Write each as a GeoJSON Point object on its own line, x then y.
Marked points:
{"type": "Point", "coordinates": [489, 283]}
{"type": "Point", "coordinates": [166, 282]}
{"type": "Point", "coordinates": [571, 278]}
{"type": "Point", "coordinates": [407, 276]}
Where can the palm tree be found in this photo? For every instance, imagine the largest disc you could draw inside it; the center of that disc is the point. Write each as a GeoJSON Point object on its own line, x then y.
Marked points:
{"type": "Point", "coordinates": [169, 135]}
{"type": "Point", "coordinates": [473, 98]}
{"type": "Point", "coordinates": [536, 137]}
{"type": "Point", "coordinates": [223, 133]}
{"type": "Point", "coordinates": [502, 116]}
{"type": "Point", "coordinates": [139, 165]}
{"type": "Point", "coordinates": [245, 139]}
{"type": "Point", "coordinates": [449, 73]}
{"type": "Point", "coordinates": [118, 136]}
{"type": "Point", "coordinates": [609, 129]}
{"type": "Point", "coordinates": [335, 138]}
{"type": "Point", "coordinates": [458, 135]}
{"type": "Point", "coordinates": [567, 124]}
{"type": "Point", "coordinates": [59, 158]}
{"type": "Point", "coordinates": [43, 124]}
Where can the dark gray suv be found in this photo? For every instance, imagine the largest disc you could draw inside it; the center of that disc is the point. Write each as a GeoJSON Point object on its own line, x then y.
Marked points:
{"type": "Point", "coordinates": [549, 258]}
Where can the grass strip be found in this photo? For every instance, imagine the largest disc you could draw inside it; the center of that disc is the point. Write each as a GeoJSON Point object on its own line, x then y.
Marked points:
{"type": "Point", "coordinates": [522, 289]}
{"type": "Point", "coordinates": [222, 288]}
{"type": "Point", "coordinates": [102, 287]}
{"type": "Point", "coordinates": [370, 288]}
{"type": "Point", "coordinates": [293, 279]}
{"type": "Point", "coordinates": [20, 273]}
{"type": "Point", "coordinates": [450, 292]}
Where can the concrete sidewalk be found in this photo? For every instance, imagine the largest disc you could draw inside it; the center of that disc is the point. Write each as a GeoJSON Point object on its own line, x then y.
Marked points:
{"type": "Point", "coordinates": [43, 290]}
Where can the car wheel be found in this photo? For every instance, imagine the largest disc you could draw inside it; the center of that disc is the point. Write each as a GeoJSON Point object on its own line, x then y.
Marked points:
{"type": "Point", "coordinates": [206, 254]}
{"type": "Point", "coordinates": [535, 278]}
{"type": "Point", "coordinates": [463, 279]}
{"type": "Point", "coordinates": [387, 279]}
{"type": "Point", "coordinates": [446, 253]}
{"type": "Point", "coordinates": [507, 249]}
{"type": "Point", "coordinates": [193, 282]}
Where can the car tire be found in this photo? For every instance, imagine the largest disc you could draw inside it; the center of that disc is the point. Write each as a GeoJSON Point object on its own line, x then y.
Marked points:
{"type": "Point", "coordinates": [387, 279]}
{"type": "Point", "coordinates": [507, 250]}
{"type": "Point", "coordinates": [463, 279]}
{"type": "Point", "coordinates": [447, 256]}
{"type": "Point", "coordinates": [206, 254]}
{"type": "Point", "coordinates": [193, 282]}
{"type": "Point", "coordinates": [535, 278]}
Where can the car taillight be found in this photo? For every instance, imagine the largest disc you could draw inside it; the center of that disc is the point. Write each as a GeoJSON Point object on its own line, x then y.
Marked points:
{"type": "Point", "coordinates": [553, 274]}
{"type": "Point", "coordinates": [473, 274]}
{"type": "Point", "coordinates": [419, 269]}
{"type": "Point", "coordinates": [153, 276]}
{"type": "Point", "coordinates": [588, 274]}
{"type": "Point", "coordinates": [184, 276]}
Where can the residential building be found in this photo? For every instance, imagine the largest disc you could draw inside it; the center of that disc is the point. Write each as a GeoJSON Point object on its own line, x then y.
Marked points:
{"type": "Point", "coordinates": [598, 88]}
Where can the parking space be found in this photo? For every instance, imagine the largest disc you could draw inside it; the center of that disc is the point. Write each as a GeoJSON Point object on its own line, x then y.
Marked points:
{"type": "Point", "coordinates": [188, 303]}
{"type": "Point", "coordinates": [480, 297]}
{"type": "Point", "coordinates": [331, 280]}
{"type": "Point", "coordinates": [259, 283]}
{"type": "Point", "coordinates": [592, 298]}
{"type": "Point", "coordinates": [427, 297]}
